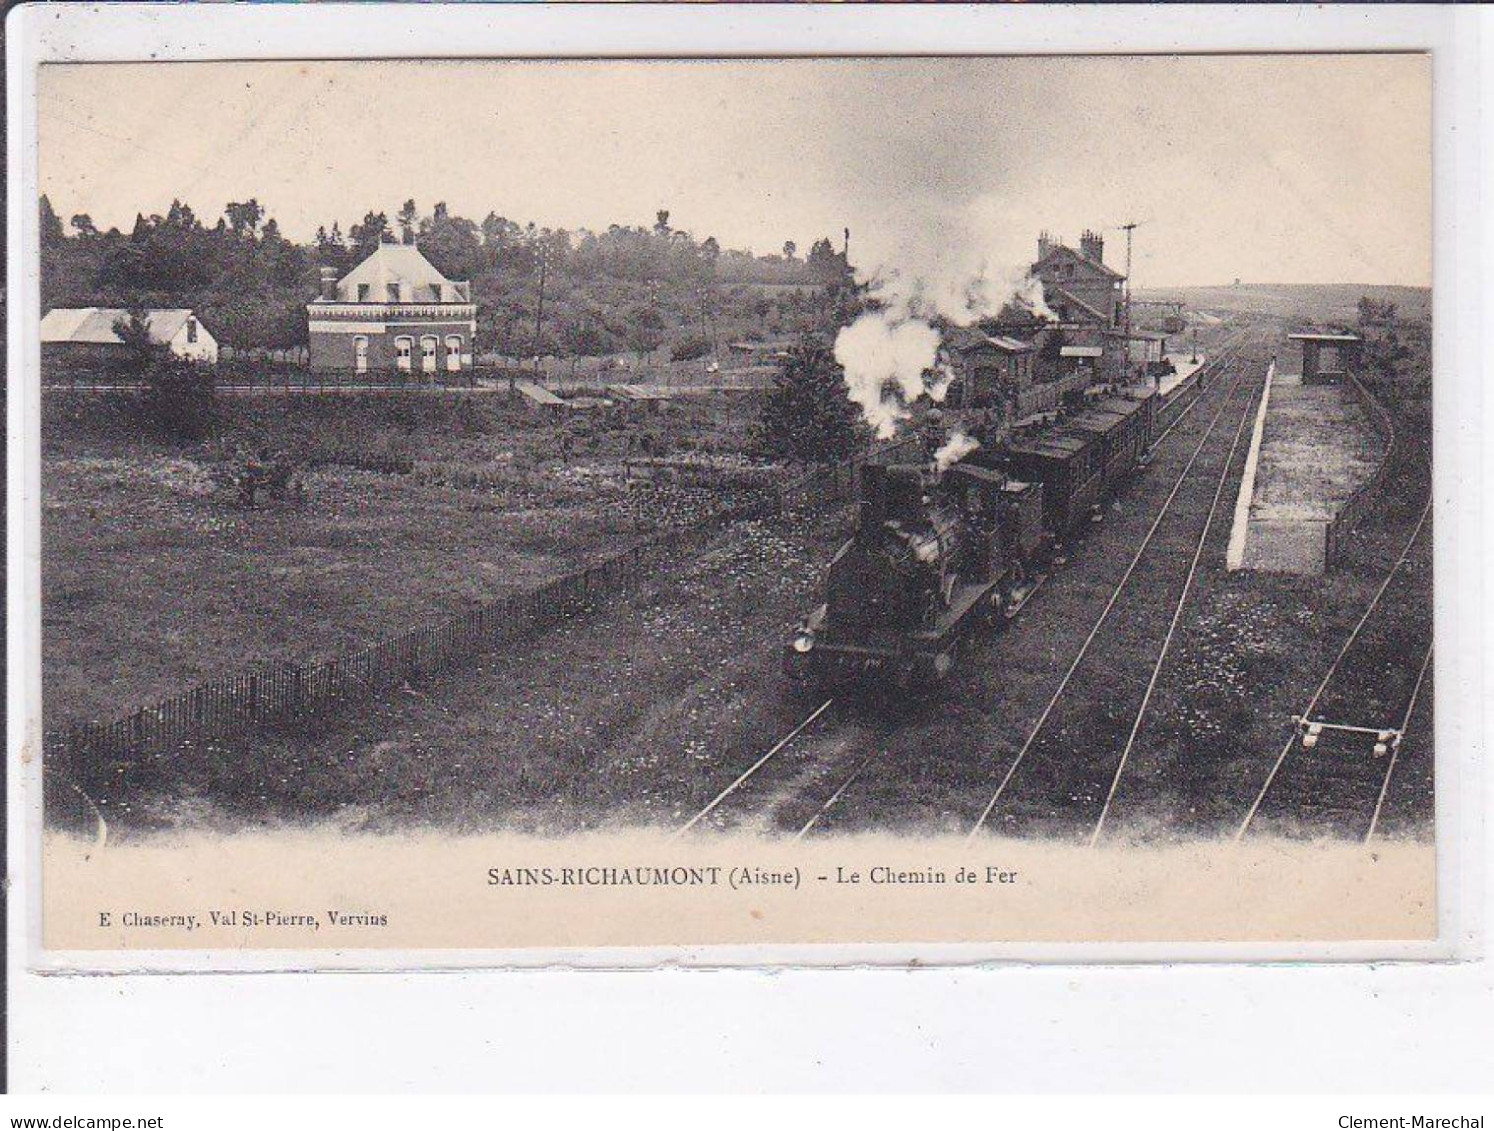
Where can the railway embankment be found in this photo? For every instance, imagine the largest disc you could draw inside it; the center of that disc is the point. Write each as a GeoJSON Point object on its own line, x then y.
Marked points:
{"type": "Point", "coordinates": [1315, 447]}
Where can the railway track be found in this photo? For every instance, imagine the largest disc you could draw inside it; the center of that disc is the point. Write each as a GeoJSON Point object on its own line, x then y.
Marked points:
{"type": "Point", "coordinates": [799, 779]}
{"type": "Point", "coordinates": [1066, 775]}
{"type": "Point", "coordinates": [802, 779]}
{"type": "Point", "coordinates": [1334, 772]}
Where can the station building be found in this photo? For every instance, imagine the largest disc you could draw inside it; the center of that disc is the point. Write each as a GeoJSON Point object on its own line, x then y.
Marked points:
{"type": "Point", "coordinates": [1087, 297]}
{"type": "Point", "coordinates": [393, 313]}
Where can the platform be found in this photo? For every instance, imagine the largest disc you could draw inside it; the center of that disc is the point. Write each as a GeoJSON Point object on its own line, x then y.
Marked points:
{"type": "Point", "coordinates": [1315, 448]}
{"type": "Point", "coordinates": [1185, 367]}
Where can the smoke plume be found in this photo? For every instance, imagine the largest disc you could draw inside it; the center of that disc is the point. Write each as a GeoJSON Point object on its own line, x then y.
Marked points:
{"type": "Point", "coordinates": [885, 358]}
{"type": "Point", "coordinates": [934, 271]}
{"type": "Point", "coordinates": [956, 448]}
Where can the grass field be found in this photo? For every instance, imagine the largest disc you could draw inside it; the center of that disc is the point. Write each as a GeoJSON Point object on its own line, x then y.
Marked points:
{"type": "Point", "coordinates": [1320, 303]}
{"type": "Point", "coordinates": [645, 706]}
{"type": "Point", "coordinates": [156, 577]}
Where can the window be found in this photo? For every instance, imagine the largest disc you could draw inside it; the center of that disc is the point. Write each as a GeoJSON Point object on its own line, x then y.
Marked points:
{"type": "Point", "coordinates": [435, 292]}
{"type": "Point", "coordinates": [362, 292]}
{"type": "Point", "coordinates": [393, 291]}
{"type": "Point", "coordinates": [191, 329]}
{"type": "Point", "coordinates": [428, 353]}
{"type": "Point", "coordinates": [360, 354]}
{"type": "Point", "coordinates": [402, 348]}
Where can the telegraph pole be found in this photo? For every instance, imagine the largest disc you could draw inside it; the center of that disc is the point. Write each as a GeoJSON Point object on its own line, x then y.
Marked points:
{"type": "Point", "coordinates": [1128, 229]}
{"type": "Point", "coordinates": [539, 311]}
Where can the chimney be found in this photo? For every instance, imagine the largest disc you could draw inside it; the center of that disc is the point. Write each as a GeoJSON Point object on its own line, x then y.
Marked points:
{"type": "Point", "coordinates": [1045, 244]}
{"type": "Point", "coordinates": [329, 284]}
{"type": "Point", "coordinates": [1092, 245]}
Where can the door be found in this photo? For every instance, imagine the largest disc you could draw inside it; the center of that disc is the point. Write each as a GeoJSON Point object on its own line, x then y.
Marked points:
{"type": "Point", "coordinates": [453, 354]}
{"type": "Point", "coordinates": [402, 348]}
{"type": "Point", "coordinates": [360, 354]}
{"type": "Point", "coordinates": [428, 354]}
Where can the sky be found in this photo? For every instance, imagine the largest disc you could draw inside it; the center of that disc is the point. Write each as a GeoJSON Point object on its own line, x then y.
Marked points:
{"type": "Point", "coordinates": [1279, 169]}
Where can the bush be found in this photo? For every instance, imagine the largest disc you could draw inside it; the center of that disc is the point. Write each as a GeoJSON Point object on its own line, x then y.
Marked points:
{"type": "Point", "coordinates": [807, 415]}
{"type": "Point", "coordinates": [689, 349]}
{"type": "Point", "coordinates": [178, 399]}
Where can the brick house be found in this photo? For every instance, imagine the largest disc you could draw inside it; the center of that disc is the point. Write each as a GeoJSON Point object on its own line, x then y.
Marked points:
{"type": "Point", "coordinates": [393, 313]}
{"type": "Point", "coordinates": [1086, 295]}
{"type": "Point", "coordinates": [992, 369]}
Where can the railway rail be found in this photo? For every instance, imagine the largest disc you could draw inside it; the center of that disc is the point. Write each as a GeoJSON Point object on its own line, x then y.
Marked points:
{"type": "Point", "coordinates": [750, 773]}
{"type": "Point", "coordinates": [743, 799]}
{"type": "Point", "coordinates": [801, 778]}
{"type": "Point", "coordinates": [1335, 769]}
{"type": "Point", "coordinates": [1057, 779]}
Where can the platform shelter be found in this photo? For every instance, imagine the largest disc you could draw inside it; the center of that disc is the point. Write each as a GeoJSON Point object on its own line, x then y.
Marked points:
{"type": "Point", "coordinates": [1343, 351]}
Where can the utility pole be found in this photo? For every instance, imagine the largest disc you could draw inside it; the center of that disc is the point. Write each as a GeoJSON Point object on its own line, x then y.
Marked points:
{"type": "Point", "coordinates": [539, 310]}
{"type": "Point", "coordinates": [706, 335]}
{"type": "Point", "coordinates": [1128, 229]}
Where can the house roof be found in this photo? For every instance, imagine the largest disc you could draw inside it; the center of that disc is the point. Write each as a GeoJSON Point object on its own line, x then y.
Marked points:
{"type": "Point", "coordinates": [392, 263]}
{"type": "Point", "coordinates": [1070, 297]}
{"type": "Point", "coordinates": [95, 324]}
{"type": "Point", "coordinates": [1080, 351]}
{"type": "Point", "coordinates": [1059, 250]}
{"type": "Point", "coordinates": [964, 340]}
{"type": "Point", "coordinates": [1005, 344]}
{"type": "Point", "coordinates": [1330, 339]}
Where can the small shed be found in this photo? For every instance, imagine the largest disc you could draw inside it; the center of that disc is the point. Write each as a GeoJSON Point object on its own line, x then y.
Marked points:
{"type": "Point", "coordinates": [1344, 352]}
{"type": "Point", "coordinates": [88, 332]}
{"type": "Point", "coordinates": [1081, 359]}
{"type": "Point", "coordinates": [994, 367]}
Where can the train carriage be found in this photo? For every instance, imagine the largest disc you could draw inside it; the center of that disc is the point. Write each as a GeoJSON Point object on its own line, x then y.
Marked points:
{"type": "Point", "coordinates": [1119, 427]}
{"type": "Point", "coordinates": [1068, 464]}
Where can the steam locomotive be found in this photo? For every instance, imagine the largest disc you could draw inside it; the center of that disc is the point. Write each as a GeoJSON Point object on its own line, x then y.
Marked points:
{"type": "Point", "coordinates": [936, 555]}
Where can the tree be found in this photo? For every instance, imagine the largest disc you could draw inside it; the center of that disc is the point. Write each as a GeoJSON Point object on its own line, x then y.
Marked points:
{"type": "Point", "coordinates": [452, 243]}
{"type": "Point", "coordinates": [244, 217]}
{"type": "Point", "coordinates": [645, 329]}
{"type": "Point", "coordinates": [82, 223]}
{"type": "Point", "coordinates": [141, 351]}
{"type": "Point", "coordinates": [825, 263]}
{"type": "Point", "coordinates": [1372, 313]}
{"type": "Point", "coordinates": [177, 396]}
{"type": "Point", "coordinates": [789, 248]}
{"type": "Point", "coordinates": [367, 236]}
{"type": "Point", "coordinates": [661, 222]}
{"type": "Point", "coordinates": [408, 215]}
{"type": "Point", "coordinates": [807, 416]}
{"type": "Point", "coordinates": [52, 234]}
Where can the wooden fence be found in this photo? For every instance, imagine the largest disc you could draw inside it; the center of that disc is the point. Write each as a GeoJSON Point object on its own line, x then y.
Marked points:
{"type": "Point", "coordinates": [1367, 495]}
{"type": "Point", "coordinates": [1047, 396]}
{"type": "Point", "coordinates": [233, 704]}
